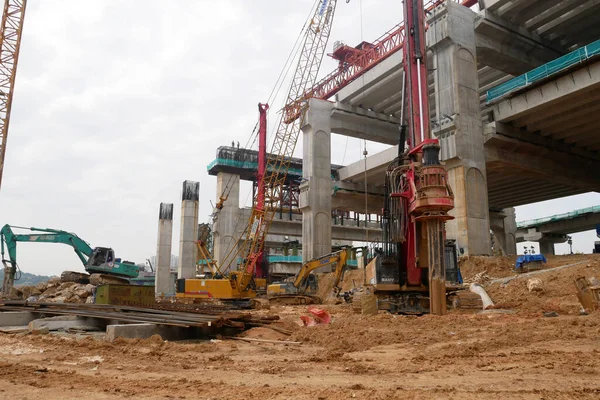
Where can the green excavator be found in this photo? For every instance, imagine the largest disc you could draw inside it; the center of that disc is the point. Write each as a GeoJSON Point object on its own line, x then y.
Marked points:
{"type": "Point", "coordinates": [99, 262]}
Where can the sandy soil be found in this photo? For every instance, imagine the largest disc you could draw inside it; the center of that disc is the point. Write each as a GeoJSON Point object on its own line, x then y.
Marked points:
{"type": "Point", "coordinates": [458, 356]}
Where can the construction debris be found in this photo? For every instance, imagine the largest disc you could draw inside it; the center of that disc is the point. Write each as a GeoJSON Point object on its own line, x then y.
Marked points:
{"type": "Point", "coordinates": [535, 285]}
{"type": "Point", "coordinates": [129, 314]}
{"type": "Point", "coordinates": [588, 293]}
{"type": "Point", "coordinates": [54, 291]}
{"type": "Point", "coordinates": [316, 316]}
{"type": "Point", "coordinates": [467, 300]}
{"type": "Point", "coordinates": [486, 301]}
{"type": "Point", "coordinates": [63, 323]}
{"type": "Point", "coordinates": [482, 278]}
{"type": "Point", "coordinates": [284, 342]}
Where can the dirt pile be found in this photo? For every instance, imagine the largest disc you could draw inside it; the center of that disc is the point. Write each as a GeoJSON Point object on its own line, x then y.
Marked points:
{"type": "Point", "coordinates": [495, 267]}
{"type": "Point", "coordinates": [504, 266]}
{"type": "Point", "coordinates": [352, 278]}
{"type": "Point", "coordinates": [54, 291]}
{"type": "Point", "coordinates": [559, 294]}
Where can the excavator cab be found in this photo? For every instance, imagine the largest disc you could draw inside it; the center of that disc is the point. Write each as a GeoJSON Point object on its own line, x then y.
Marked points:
{"type": "Point", "coordinates": [102, 261]}
{"type": "Point", "coordinates": [102, 257]}
{"type": "Point", "coordinates": [310, 285]}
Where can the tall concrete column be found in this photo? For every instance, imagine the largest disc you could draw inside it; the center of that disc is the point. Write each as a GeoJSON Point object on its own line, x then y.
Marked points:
{"type": "Point", "coordinates": [315, 190]}
{"type": "Point", "coordinates": [188, 233]}
{"type": "Point", "coordinates": [547, 247]}
{"type": "Point", "coordinates": [225, 237]}
{"type": "Point", "coordinates": [452, 39]}
{"type": "Point", "coordinates": [163, 286]}
{"type": "Point", "coordinates": [504, 226]}
{"type": "Point", "coordinates": [510, 231]}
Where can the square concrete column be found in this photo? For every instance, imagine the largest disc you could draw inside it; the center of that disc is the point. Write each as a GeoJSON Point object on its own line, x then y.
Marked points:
{"type": "Point", "coordinates": [225, 237]}
{"type": "Point", "coordinates": [163, 285]}
{"type": "Point", "coordinates": [504, 226]}
{"type": "Point", "coordinates": [510, 231]}
{"type": "Point", "coordinates": [315, 190]}
{"type": "Point", "coordinates": [189, 230]}
{"type": "Point", "coordinates": [547, 247]}
{"type": "Point", "coordinates": [451, 38]}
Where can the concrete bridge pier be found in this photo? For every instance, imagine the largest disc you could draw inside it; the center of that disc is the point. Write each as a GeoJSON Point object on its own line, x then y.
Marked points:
{"type": "Point", "coordinates": [504, 226]}
{"type": "Point", "coordinates": [189, 230]}
{"type": "Point", "coordinates": [316, 186]}
{"type": "Point", "coordinates": [224, 229]}
{"type": "Point", "coordinates": [459, 129]}
{"type": "Point", "coordinates": [163, 284]}
{"type": "Point", "coordinates": [545, 240]}
{"type": "Point", "coordinates": [547, 247]}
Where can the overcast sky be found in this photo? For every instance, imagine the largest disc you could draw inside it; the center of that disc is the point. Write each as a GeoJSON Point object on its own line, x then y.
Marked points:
{"type": "Point", "coordinates": [117, 102]}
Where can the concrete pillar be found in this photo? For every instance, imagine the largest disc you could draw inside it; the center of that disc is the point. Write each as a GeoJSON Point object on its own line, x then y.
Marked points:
{"type": "Point", "coordinates": [188, 233]}
{"type": "Point", "coordinates": [504, 226]}
{"type": "Point", "coordinates": [547, 247]}
{"type": "Point", "coordinates": [315, 190]}
{"type": "Point", "coordinates": [452, 39]}
{"type": "Point", "coordinates": [510, 231]}
{"type": "Point", "coordinates": [225, 237]}
{"type": "Point", "coordinates": [163, 286]}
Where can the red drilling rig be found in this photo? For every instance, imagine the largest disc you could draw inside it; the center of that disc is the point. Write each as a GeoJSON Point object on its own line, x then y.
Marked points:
{"type": "Point", "coordinates": [417, 194]}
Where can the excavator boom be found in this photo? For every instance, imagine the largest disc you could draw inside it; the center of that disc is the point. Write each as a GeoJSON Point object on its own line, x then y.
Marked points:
{"type": "Point", "coordinates": [95, 260]}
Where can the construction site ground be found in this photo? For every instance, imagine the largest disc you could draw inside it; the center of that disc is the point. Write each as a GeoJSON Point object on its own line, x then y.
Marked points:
{"type": "Point", "coordinates": [513, 351]}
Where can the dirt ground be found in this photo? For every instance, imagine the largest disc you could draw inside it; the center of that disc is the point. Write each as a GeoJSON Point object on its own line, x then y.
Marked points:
{"type": "Point", "coordinates": [464, 355]}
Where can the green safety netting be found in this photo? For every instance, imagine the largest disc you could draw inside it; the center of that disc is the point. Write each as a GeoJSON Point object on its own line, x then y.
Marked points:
{"type": "Point", "coordinates": [558, 217]}
{"type": "Point", "coordinates": [553, 67]}
{"type": "Point", "coordinates": [274, 258]}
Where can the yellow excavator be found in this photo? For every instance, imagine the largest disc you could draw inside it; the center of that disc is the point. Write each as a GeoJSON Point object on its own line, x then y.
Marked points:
{"type": "Point", "coordinates": [304, 287]}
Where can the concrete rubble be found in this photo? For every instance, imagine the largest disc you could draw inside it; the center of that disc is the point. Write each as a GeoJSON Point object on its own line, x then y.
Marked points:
{"type": "Point", "coordinates": [55, 291]}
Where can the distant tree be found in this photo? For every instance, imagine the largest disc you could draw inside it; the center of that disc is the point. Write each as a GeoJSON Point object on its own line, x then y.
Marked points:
{"type": "Point", "coordinates": [27, 279]}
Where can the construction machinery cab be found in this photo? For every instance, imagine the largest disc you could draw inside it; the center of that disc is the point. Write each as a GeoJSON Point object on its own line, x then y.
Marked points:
{"type": "Point", "coordinates": [311, 284]}
{"type": "Point", "coordinates": [101, 256]}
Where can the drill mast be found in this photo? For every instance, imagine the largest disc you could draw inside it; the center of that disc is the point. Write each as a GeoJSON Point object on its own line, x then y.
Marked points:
{"type": "Point", "coordinates": [418, 196]}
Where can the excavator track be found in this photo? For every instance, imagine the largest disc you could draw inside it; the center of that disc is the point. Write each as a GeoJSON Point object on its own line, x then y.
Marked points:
{"type": "Point", "coordinates": [94, 279]}
{"type": "Point", "coordinates": [103, 279]}
{"type": "Point", "coordinates": [72, 276]}
{"type": "Point", "coordinates": [294, 299]}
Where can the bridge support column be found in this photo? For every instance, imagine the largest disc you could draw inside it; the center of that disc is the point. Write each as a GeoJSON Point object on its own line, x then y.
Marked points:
{"type": "Point", "coordinates": [504, 226]}
{"type": "Point", "coordinates": [452, 40]}
{"type": "Point", "coordinates": [189, 230]}
{"type": "Point", "coordinates": [545, 240]}
{"type": "Point", "coordinates": [163, 284]}
{"type": "Point", "coordinates": [315, 190]}
{"type": "Point", "coordinates": [547, 247]}
{"type": "Point", "coordinates": [224, 229]}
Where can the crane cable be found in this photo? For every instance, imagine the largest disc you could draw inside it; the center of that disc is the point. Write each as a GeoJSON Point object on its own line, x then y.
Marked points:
{"type": "Point", "coordinates": [274, 93]}
{"type": "Point", "coordinates": [272, 96]}
{"type": "Point", "coordinates": [290, 62]}
{"type": "Point", "coordinates": [275, 90]}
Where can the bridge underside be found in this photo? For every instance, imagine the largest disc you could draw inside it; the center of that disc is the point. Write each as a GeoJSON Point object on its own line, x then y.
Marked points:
{"type": "Point", "coordinates": [545, 142]}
